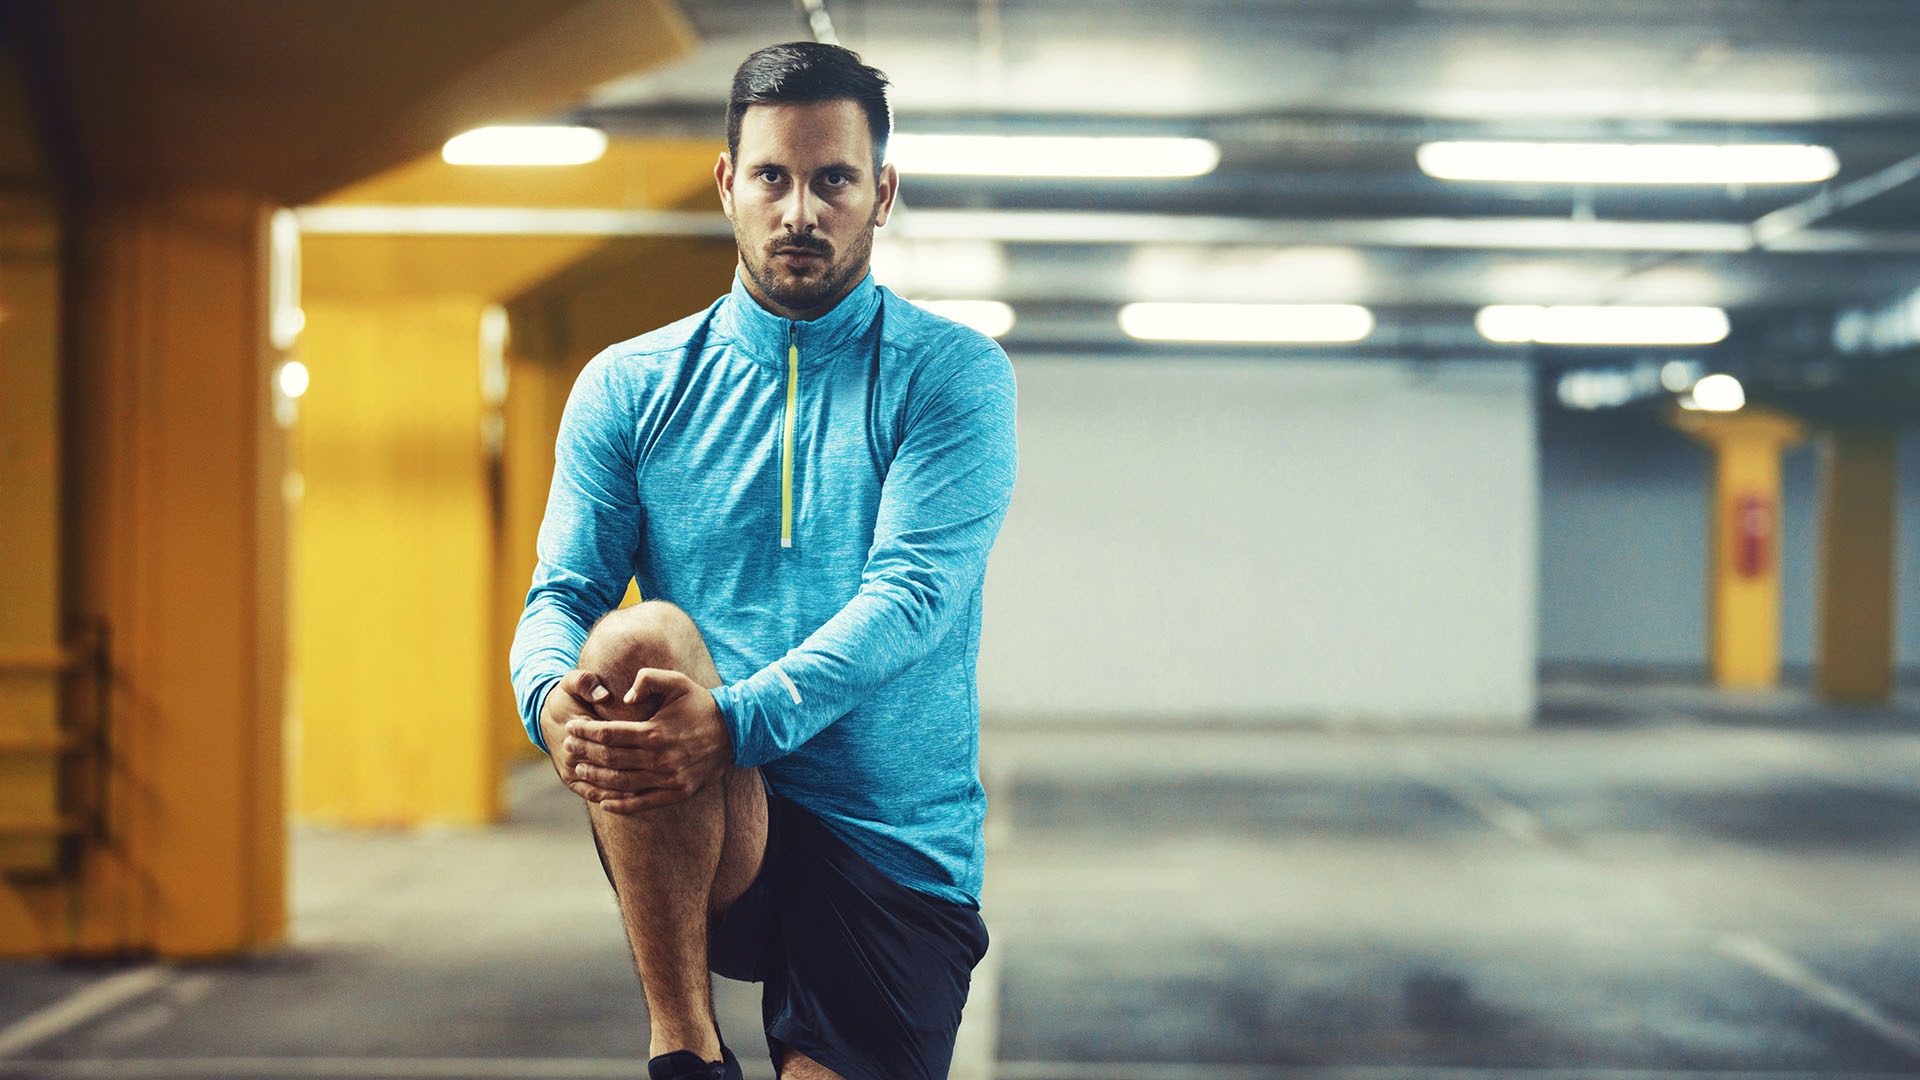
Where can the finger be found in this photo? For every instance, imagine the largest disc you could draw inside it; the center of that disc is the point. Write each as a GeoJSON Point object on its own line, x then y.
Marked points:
{"type": "Point", "coordinates": [588, 791]}
{"type": "Point", "coordinates": [578, 751]}
{"type": "Point", "coordinates": [649, 800]}
{"type": "Point", "coordinates": [620, 781]}
{"type": "Point", "coordinates": [584, 685]}
{"type": "Point", "coordinates": [624, 733]}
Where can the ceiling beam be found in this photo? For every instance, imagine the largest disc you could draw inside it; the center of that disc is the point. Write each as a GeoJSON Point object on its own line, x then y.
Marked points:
{"type": "Point", "coordinates": [1072, 227]}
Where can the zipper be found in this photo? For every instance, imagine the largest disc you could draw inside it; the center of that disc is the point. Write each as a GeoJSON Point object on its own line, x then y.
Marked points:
{"type": "Point", "coordinates": [786, 443]}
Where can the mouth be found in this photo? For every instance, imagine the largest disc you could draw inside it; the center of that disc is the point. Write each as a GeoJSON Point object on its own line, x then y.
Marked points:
{"type": "Point", "coordinates": [801, 245]}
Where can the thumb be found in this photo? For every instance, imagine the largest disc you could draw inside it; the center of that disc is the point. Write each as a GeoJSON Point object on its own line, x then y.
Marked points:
{"type": "Point", "coordinates": [584, 685]}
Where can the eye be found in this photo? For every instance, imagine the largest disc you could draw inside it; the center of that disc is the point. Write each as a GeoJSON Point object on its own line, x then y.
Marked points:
{"type": "Point", "coordinates": [837, 179]}
{"type": "Point", "coordinates": [768, 176]}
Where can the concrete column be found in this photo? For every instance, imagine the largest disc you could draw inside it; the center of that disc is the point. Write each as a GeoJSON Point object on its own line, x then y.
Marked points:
{"type": "Point", "coordinates": [1854, 633]}
{"type": "Point", "coordinates": [34, 816]}
{"type": "Point", "coordinates": [1743, 595]}
{"type": "Point", "coordinates": [173, 541]}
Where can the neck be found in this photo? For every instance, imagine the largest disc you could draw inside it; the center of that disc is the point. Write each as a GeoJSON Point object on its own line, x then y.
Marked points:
{"type": "Point", "coordinates": [806, 314]}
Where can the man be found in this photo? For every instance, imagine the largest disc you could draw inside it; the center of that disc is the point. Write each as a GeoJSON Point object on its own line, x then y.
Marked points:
{"type": "Point", "coordinates": [779, 749]}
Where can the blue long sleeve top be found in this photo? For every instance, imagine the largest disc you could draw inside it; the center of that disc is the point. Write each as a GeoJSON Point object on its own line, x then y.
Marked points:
{"type": "Point", "coordinates": [820, 497]}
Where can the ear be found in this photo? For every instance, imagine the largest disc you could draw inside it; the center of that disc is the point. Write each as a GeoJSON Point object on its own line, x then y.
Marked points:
{"type": "Point", "coordinates": [723, 177]}
{"type": "Point", "coordinates": [889, 186]}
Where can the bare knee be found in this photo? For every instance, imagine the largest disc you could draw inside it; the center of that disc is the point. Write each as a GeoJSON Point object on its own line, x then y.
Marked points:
{"type": "Point", "coordinates": [653, 634]}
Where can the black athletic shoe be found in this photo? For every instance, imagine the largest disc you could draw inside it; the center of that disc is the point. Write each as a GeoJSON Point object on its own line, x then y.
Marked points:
{"type": "Point", "coordinates": [686, 1065]}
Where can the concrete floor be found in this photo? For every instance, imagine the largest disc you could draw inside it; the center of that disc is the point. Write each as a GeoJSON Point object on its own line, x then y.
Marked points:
{"type": "Point", "coordinates": [1657, 881]}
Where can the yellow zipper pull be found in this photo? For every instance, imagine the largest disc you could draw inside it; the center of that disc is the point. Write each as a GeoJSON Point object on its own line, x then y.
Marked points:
{"type": "Point", "coordinates": [786, 455]}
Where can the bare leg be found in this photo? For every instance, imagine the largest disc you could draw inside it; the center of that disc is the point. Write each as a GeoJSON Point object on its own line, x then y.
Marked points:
{"type": "Point", "coordinates": [674, 867]}
{"type": "Point", "coordinates": [791, 1064]}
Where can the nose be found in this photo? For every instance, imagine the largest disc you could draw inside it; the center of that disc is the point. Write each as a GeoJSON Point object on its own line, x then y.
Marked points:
{"type": "Point", "coordinates": [800, 210]}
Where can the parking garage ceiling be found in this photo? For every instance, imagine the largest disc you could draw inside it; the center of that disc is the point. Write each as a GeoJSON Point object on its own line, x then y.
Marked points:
{"type": "Point", "coordinates": [1319, 106]}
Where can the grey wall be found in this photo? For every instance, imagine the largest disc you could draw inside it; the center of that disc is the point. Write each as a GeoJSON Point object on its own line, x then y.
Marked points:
{"type": "Point", "coordinates": [1196, 539]}
{"type": "Point", "coordinates": [1623, 520]}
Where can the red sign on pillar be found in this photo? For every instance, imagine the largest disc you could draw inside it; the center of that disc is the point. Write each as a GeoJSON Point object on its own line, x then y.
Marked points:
{"type": "Point", "coordinates": [1754, 527]}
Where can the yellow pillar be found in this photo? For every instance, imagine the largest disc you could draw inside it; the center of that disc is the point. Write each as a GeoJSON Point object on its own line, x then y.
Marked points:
{"type": "Point", "coordinates": [1743, 594]}
{"type": "Point", "coordinates": [1856, 611]}
{"type": "Point", "coordinates": [172, 547]}
{"type": "Point", "coordinates": [34, 816]}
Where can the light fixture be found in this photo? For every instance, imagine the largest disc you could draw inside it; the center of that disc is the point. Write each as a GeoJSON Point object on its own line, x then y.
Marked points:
{"type": "Point", "coordinates": [990, 317]}
{"type": "Point", "coordinates": [1603, 325]}
{"type": "Point", "coordinates": [526, 145]}
{"type": "Point", "coordinates": [1297, 323]}
{"type": "Point", "coordinates": [1716, 393]}
{"type": "Point", "coordinates": [1590, 390]}
{"type": "Point", "coordinates": [1038, 155]}
{"type": "Point", "coordinates": [1628, 163]}
{"type": "Point", "coordinates": [293, 379]}
{"type": "Point", "coordinates": [1679, 376]}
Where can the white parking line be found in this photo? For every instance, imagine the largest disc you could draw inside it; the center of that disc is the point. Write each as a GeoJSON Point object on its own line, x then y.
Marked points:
{"type": "Point", "coordinates": [85, 1004]}
{"type": "Point", "coordinates": [323, 1068]}
{"type": "Point", "coordinates": [1476, 795]}
{"type": "Point", "coordinates": [1772, 962]}
{"type": "Point", "coordinates": [1155, 1070]}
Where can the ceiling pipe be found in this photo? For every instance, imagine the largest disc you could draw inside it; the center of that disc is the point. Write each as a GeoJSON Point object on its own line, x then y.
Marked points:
{"type": "Point", "coordinates": [1770, 229]}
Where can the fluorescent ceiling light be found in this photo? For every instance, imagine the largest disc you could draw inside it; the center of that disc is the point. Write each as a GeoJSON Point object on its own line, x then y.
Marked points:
{"type": "Point", "coordinates": [1245, 272]}
{"type": "Point", "coordinates": [1246, 322]}
{"type": "Point", "coordinates": [1611, 325]}
{"type": "Point", "coordinates": [526, 145]}
{"type": "Point", "coordinates": [1035, 155]}
{"type": "Point", "coordinates": [1590, 390]}
{"type": "Point", "coordinates": [1627, 163]}
{"type": "Point", "coordinates": [962, 267]}
{"type": "Point", "coordinates": [990, 317]}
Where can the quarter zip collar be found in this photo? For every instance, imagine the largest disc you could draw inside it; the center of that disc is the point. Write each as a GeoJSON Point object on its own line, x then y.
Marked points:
{"type": "Point", "coordinates": [766, 337]}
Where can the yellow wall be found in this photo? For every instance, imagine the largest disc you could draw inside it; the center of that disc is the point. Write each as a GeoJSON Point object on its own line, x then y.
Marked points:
{"type": "Point", "coordinates": [414, 547]}
{"type": "Point", "coordinates": [400, 696]}
{"type": "Point", "coordinates": [391, 565]}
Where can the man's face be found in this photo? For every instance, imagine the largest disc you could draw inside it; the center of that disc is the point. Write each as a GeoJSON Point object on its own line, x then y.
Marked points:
{"type": "Point", "coordinates": [804, 202]}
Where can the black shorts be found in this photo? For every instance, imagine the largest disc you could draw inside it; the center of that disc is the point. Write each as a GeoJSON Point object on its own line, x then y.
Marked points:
{"type": "Point", "coordinates": [863, 974]}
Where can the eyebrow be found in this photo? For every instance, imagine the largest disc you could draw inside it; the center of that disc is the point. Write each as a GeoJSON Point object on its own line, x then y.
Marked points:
{"type": "Point", "coordinates": [854, 171]}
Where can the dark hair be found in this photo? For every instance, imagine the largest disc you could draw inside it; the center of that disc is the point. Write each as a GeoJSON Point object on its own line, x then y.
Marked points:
{"type": "Point", "coordinates": [807, 71]}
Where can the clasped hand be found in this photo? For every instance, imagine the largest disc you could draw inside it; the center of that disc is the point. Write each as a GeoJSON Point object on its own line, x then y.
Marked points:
{"type": "Point", "coordinates": [653, 746]}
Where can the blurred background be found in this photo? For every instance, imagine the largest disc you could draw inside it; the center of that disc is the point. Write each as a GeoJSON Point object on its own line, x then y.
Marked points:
{"type": "Point", "coordinates": [1460, 613]}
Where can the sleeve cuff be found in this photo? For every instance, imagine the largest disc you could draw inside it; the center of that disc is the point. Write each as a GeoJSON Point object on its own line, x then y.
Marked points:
{"type": "Point", "coordinates": [541, 688]}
